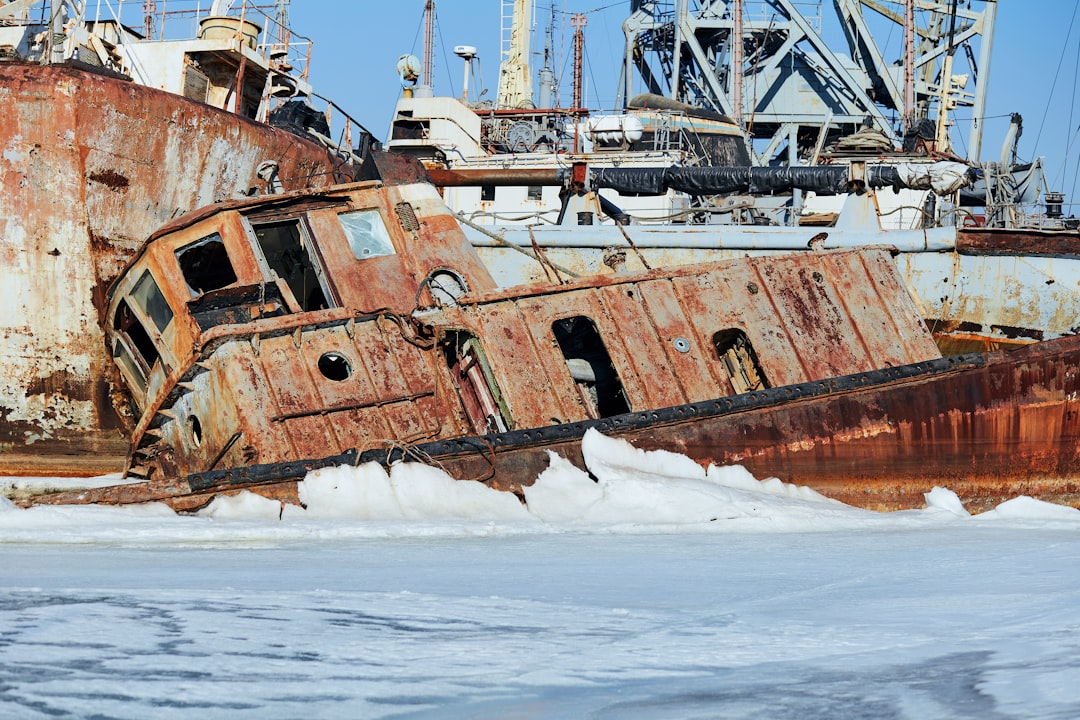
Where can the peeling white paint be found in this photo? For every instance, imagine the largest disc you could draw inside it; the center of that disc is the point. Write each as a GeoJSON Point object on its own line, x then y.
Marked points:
{"type": "Point", "coordinates": [14, 153]}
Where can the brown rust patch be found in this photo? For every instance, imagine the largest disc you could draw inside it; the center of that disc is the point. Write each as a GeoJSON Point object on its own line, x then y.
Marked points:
{"type": "Point", "coordinates": [110, 255]}
{"type": "Point", "coordinates": [59, 383]}
{"type": "Point", "coordinates": [993, 241]}
{"type": "Point", "coordinates": [111, 179]}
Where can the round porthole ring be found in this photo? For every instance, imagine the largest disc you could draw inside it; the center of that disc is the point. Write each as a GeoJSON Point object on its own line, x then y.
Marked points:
{"type": "Point", "coordinates": [335, 366]}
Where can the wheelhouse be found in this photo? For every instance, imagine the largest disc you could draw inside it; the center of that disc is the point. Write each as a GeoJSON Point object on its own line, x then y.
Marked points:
{"type": "Point", "coordinates": [286, 255]}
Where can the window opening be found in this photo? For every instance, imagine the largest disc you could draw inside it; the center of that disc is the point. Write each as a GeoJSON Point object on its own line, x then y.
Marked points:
{"type": "Point", "coordinates": [334, 366]}
{"type": "Point", "coordinates": [367, 234]}
{"type": "Point", "coordinates": [141, 353]}
{"type": "Point", "coordinates": [124, 358]}
{"type": "Point", "coordinates": [590, 366]}
{"type": "Point", "coordinates": [480, 396]}
{"type": "Point", "coordinates": [739, 359]}
{"type": "Point", "coordinates": [205, 265]}
{"type": "Point", "coordinates": [196, 83]}
{"type": "Point", "coordinates": [487, 193]}
{"type": "Point", "coordinates": [196, 430]}
{"type": "Point", "coordinates": [286, 251]}
{"type": "Point", "coordinates": [535, 192]}
{"type": "Point", "coordinates": [147, 295]}
{"type": "Point", "coordinates": [405, 129]}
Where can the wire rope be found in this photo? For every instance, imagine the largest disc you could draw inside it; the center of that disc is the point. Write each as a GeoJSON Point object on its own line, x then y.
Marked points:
{"type": "Point", "coordinates": [1053, 85]}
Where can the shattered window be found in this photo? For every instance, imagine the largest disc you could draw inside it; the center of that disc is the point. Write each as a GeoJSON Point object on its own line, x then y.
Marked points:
{"type": "Point", "coordinates": [367, 234]}
{"type": "Point", "coordinates": [147, 294]}
{"type": "Point", "coordinates": [205, 265]}
{"type": "Point", "coordinates": [286, 250]}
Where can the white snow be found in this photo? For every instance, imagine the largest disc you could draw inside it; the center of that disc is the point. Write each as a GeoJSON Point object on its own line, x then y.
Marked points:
{"type": "Point", "coordinates": [659, 590]}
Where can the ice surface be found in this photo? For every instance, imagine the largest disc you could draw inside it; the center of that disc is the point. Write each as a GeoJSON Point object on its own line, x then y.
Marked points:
{"type": "Point", "coordinates": [660, 590]}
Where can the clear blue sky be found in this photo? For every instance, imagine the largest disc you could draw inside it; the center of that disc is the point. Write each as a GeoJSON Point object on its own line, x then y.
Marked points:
{"type": "Point", "coordinates": [358, 43]}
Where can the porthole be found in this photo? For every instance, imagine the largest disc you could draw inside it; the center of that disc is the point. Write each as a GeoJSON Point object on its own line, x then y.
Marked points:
{"type": "Point", "coordinates": [446, 287]}
{"type": "Point", "coordinates": [681, 344]}
{"type": "Point", "coordinates": [334, 366]}
{"type": "Point", "coordinates": [196, 430]}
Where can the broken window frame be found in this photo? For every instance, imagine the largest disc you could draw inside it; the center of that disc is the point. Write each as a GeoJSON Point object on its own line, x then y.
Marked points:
{"type": "Point", "coordinates": [590, 366]}
{"type": "Point", "coordinates": [306, 247]}
{"type": "Point", "coordinates": [481, 399]}
{"type": "Point", "coordinates": [740, 361]}
{"type": "Point", "coordinates": [131, 366]}
{"type": "Point", "coordinates": [215, 263]}
{"type": "Point", "coordinates": [133, 337]}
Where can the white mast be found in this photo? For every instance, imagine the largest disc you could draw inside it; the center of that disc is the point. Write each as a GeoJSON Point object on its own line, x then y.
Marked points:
{"type": "Point", "coordinates": [515, 83]}
{"type": "Point", "coordinates": [429, 43]}
{"type": "Point", "coordinates": [945, 102]}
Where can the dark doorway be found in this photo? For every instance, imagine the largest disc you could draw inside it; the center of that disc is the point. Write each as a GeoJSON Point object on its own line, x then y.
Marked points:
{"type": "Point", "coordinates": [591, 366]}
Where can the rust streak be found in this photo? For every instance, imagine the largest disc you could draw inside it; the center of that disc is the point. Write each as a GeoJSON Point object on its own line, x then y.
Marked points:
{"type": "Point", "coordinates": [110, 179]}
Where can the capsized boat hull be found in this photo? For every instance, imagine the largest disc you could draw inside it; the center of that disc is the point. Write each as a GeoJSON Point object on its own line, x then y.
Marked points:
{"type": "Point", "coordinates": [987, 426]}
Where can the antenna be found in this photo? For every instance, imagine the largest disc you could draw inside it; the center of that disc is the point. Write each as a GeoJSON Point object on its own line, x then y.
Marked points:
{"type": "Point", "coordinates": [466, 53]}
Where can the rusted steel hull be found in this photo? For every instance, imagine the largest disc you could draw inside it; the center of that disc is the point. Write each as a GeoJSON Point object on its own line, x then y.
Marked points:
{"type": "Point", "coordinates": [1022, 241]}
{"type": "Point", "coordinates": [89, 166]}
{"type": "Point", "coordinates": [975, 288]}
{"type": "Point", "coordinates": [989, 427]}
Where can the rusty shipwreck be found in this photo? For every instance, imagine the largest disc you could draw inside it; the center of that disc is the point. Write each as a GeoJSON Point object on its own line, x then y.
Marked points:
{"type": "Point", "coordinates": [261, 338]}
{"type": "Point", "coordinates": [106, 134]}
